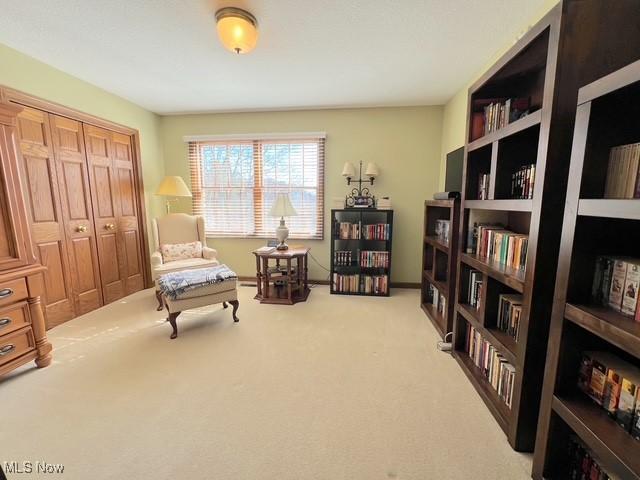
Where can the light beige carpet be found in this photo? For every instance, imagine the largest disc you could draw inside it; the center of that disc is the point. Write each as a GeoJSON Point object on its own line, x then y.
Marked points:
{"type": "Point", "coordinates": [335, 388]}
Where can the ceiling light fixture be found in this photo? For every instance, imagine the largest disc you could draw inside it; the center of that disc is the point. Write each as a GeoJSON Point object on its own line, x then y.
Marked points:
{"type": "Point", "coordinates": [237, 29]}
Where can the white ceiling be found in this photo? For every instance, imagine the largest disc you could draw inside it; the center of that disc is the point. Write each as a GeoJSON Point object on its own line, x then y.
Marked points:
{"type": "Point", "coordinates": [165, 56]}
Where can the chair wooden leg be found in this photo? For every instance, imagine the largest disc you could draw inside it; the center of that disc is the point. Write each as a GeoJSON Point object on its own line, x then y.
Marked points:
{"type": "Point", "coordinates": [159, 298]}
{"type": "Point", "coordinates": [236, 305]}
{"type": "Point", "coordinates": [172, 319]}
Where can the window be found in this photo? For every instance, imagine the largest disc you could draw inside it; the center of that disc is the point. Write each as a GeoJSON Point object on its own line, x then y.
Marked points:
{"type": "Point", "coordinates": [235, 181]}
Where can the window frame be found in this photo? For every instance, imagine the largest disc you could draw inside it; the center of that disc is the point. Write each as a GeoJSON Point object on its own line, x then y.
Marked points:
{"type": "Point", "coordinates": [196, 142]}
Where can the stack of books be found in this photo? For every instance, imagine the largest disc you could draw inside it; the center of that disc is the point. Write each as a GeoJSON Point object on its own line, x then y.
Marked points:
{"type": "Point", "coordinates": [583, 464]}
{"type": "Point", "coordinates": [496, 114]}
{"type": "Point", "coordinates": [623, 172]}
{"type": "Point", "coordinates": [483, 186]}
{"type": "Point", "coordinates": [437, 299]}
{"type": "Point", "coordinates": [500, 373]}
{"type": "Point", "coordinates": [442, 230]}
{"type": "Point", "coordinates": [522, 182]}
{"type": "Point", "coordinates": [614, 385]}
{"type": "Point", "coordinates": [348, 230]}
{"type": "Point", "coordinates": [615, 284]}
{"type": "Point", "coordinates": [377, 231]}
{"type": "Point", "coordinates": [475, 288]}
{"type": "Point", "coordinates": [509, 313]}
{"type": "Point", "coordinates": [342, 258]}
{"type": "Point", "coordinates": [501, 245]}
{"type": "Point", "coordinates": [377, 259]}
{"type": "Point", "coordinates": [356, 283]}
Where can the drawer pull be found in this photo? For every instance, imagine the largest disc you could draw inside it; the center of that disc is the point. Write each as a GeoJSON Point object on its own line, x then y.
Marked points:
{"type": "Point", "coordinates": [7, 349]}
{"type": "Point", "coordinates": [6, 292]}
{"type": "Point", "coordinates": [4, 322]}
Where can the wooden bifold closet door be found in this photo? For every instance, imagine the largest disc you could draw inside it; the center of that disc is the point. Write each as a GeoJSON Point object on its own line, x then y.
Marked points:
{"type": "Point", "coordinates": [83, 213]}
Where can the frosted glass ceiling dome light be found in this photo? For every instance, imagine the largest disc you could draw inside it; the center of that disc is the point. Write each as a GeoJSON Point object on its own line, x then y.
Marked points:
{"type": "Point", "coordinates": [237, 29]}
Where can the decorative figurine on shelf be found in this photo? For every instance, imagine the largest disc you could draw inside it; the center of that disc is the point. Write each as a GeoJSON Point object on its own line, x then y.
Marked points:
{"type": "Point", "coordinates": [360, 197]}
{"type": "Point", "coordinates": [282, 208]}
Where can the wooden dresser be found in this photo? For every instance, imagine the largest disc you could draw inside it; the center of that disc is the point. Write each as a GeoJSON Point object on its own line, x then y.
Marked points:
{"type": "Point", "coordinates": [22, 327]}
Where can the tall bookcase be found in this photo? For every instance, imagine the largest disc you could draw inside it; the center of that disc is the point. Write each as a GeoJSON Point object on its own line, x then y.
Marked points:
{"type": "Point", "coordinates": [439, 262]}
{"type": "Point", "coordinates": [607, 116]}
{"type": "Point", "coordinates": [546, 66]}
{"type": "Point", "coordinates": [371, 231]}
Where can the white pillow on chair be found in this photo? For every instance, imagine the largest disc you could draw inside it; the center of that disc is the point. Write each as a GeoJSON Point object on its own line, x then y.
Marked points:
{"type": "Point", "coordinates": [180, 251]}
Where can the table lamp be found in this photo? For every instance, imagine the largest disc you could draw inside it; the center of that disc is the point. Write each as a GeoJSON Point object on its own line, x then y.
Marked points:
{"type": "Point", "coordinates": [173, 186]}
{"type": "Point", "coordinates": [282, 208]}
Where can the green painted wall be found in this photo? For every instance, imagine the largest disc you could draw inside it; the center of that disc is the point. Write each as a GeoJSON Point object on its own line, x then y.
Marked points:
{"type": "Point", "coordinates": [29, 75]}
{"type": "Point", "coordinates": [454, 118]}
{"type": "Point", "coordinates": [404, 142]}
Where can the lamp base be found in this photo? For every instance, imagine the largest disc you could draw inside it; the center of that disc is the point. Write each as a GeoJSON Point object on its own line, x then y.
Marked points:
{"type": "Point", "coordinates": [282, 232]}
{"type": "Point", "coordinates": [282, 246]}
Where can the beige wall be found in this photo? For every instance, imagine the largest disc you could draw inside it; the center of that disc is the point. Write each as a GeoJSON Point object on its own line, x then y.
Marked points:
{"type": "Point", "coordinates": [28, 75]}
{"type": "Point", "coordinates": [404, 142]}
{"type": "Point", "coordinates": [454, 117]}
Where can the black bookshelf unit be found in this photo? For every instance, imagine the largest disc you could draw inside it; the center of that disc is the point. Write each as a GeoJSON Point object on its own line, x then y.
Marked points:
{"type": "Point", "coordinates": [361, 240]}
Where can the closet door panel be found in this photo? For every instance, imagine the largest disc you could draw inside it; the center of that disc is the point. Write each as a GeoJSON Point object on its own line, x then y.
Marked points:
{"type": "Point", "coordinates": [73, 180]}
{"type": "Point", "coordinates": [104, 193]}
{"type": "Point", "coordinates": [45, 213]}
{"type": "Point", "coordinates": [128, 225]}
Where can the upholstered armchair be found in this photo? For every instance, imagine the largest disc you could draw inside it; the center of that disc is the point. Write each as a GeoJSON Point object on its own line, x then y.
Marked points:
{"type": "Point", "coordinates": [178, 229]}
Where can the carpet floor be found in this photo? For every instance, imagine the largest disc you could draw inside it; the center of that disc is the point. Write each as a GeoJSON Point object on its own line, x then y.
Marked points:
{"type": "Point", "coordinates": [335, 388]}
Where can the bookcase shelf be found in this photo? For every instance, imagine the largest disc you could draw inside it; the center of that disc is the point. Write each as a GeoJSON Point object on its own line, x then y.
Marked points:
{"type": "Point", "coordinates": [360, 219]}
{"type": "Point", "coordinates": [439, 261]}
{"type": "Point", "coordinates": [512, 277]}
{"type": "Point", "coordinates": [618, 450]}
{"type": "Point", "coordinates": [610, 208]}
{"type": "Point", "coordinates": [540, 71]}
{"type": "Point", "coordinates": [592, 226]}
{"type": "Point", "coordinates": [530, 120]}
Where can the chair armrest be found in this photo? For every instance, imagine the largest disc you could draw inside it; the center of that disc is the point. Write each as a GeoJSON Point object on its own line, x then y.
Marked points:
{"type": "Point", "coordinates": [156, 259]}
{"type": "Point", "coordinates": [209, 253]}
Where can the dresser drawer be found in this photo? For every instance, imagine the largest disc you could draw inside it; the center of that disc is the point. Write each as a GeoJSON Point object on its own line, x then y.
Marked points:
{"type": "Point", "coordinates": [13, 291]}
{"type": "Point", "coordinates": [14, 318]}
{"type": "Point", "coordinates": [15, 344]}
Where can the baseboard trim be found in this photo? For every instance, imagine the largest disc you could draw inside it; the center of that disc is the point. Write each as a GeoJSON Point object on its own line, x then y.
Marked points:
{"type": "Point", "coordinates": [326, 282]}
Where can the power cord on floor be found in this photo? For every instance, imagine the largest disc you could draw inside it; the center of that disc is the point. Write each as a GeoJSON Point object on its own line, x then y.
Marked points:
{"type": "Point", "coordinates": [313, 285]}
{"type": "Point", "coordinates": [445, 346]}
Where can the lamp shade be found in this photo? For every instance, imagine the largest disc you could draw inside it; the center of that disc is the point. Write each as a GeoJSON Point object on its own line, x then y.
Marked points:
{"type": "Point", "coordinates": [348, 170]}
{"type": "Point", "coordinates": [237, 29]}
{"type": "Point", "coordinates": [282, 207]}
{"type": "Point", "coordinates": [173, 187]}
{"type": "Point", "coordinates": [371, 171]}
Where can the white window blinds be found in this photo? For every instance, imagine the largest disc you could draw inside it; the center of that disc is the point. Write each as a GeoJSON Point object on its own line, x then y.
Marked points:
{"type": "Point", "coordinates": [235, 182]}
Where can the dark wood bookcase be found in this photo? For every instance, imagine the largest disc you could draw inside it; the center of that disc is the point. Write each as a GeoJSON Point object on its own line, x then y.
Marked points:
{"type": "Point", "coordinates": [607, 115]}
{"type": "Point", "coordinates": [547, 65]}
{"type": "Point", "coordinates": [362, 217]}
{"type": "Point", "coordinates": [439, 261]}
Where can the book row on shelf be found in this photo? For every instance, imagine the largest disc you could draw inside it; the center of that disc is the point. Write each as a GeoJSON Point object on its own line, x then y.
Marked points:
{"type": "Point", "coordinates": [499, 373]}
{"type": "Point", "coordinates": [342, 258]}
{"type": "Point", "coordinates": [614, 385]}
{"type": "Point", "coordinates": [375, 231]}
{"type": "Point", "coordinates": [615, 284]}
{"type": "Point", "coordinates": [498, 113]}
{"type": "Point", "coordinates": [475, 288]}
{"type": "Point", "coordinates": [623, 172]}
{"type": "Point", "coordinates": [583, 465]}
{"type": "Point", "coordinates": [522, 182]}
{"type": "Point", "coordinates": [496, 243]}
{"type": "Point", "coordinates": [442, 230]}
{"type": "Point", "coordinates": [376, 284]}
{"type": "Point", "coordinates": [437, 299]}
{"type": "Point", "coordinates": [483, 186]}
{"type": "Point", "coordinates": [376, 259]}
{"type": "Point", "coordinates": [509, 313]}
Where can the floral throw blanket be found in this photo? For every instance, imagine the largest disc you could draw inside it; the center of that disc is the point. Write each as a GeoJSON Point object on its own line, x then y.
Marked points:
{"type": "Point", "coordinates": [175, 284]}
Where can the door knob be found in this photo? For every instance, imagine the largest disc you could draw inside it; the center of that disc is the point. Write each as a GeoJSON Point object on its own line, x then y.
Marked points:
{"type": "Point", "coordinates": [109, 226]}
{"type": "Point", "coordinates": [81, 228]}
